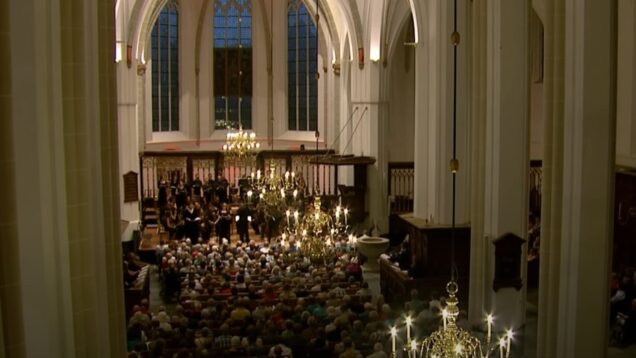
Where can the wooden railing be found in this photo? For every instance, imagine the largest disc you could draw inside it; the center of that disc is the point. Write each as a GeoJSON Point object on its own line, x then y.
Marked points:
{"type": "Point", "coordinates": [155, 165]}
{"type": "Point", "coordinates": [401, 186]}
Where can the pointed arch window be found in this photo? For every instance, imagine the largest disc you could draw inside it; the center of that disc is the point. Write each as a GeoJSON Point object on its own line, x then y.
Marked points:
{"type": "Point", "coordinates": [302, 63]}
{"type": "Point", "coordinates": [232, 26]}
{"type": "Point", "coordinates": [165, 69]}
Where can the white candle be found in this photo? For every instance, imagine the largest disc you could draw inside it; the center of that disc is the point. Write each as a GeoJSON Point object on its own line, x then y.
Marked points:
{"type": "Point", "coordinates": [346, 211]}
{"type": "Point", "coordinates": [502, 342]}
{"type": "Point", "coordinates": [508, 342]}
{"type": "Point", "coordinates": [414, 348]}
{"type": "Point", "coordinates": [295, 193]}
{"type": "Point", "coordinates": [282, 193]}
{"type": "Point", "coordinates": [444, 316]}
{"type": "Point", "coordinates": [288, 213]}
{"type": "Point", "coordinates": [393, 336]}
{"type": "Point", "coordinates": [489, 320]}
{"type": "Point", "coordinates": [408, 328]}
{"type": "Point", "coordinates": [258, 174]}
{"type": "Point", "coordinates": [286, 176]}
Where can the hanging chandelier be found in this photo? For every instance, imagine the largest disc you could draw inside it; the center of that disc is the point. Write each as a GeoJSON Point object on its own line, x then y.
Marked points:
{"type": "Point", "coordinates": [241, 146]}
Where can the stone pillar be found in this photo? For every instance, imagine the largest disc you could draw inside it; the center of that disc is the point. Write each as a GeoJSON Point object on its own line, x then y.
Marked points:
{"type": "Point", "coordinates": [626, 85]}
{"type": "Point", "coordinates": [369, 137]}
{"type": "Point", "coordinates": [502, 166]}
{"type": "Point", "coordinates": [434, 111]}
{"type": "Point", "coordinates": [589, 136]}
{"type": "Point", "coordinates": [579, 168]}
{"type": "Point", "coordinates": [129, 126]}
{"type": "Point", "coordinates": [61, 279]}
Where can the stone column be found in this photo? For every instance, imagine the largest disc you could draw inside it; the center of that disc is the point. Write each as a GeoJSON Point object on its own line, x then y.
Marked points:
{"type": "Point", "coordinates": [434, 111]}
{"type": "Point", "coordinates": [129, 126]}
{"type": "Point", "coordinates": [61, 278]}
{"type": "Point", "coordinates": [502, 166]}
{"type": "Point", "coordinates": [626, 85]}
{"type": "Point", "coordinates": [589, 136]}
{"type": "Point", "coordinates": [369, 123]}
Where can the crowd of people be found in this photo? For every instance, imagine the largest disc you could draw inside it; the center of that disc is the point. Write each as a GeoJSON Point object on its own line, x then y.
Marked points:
{"type": "Point", "coordinates": [203, 211]}
{"type": "Point", "coordinates": [257, 299]}
{"type": "Point", "coordinates": [194, 210]}
{"type": "Point", "coordinates": [623, 306]}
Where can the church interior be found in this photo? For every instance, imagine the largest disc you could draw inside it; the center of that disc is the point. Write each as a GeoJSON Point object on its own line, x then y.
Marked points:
{"type": "Point", "coordinates": [318, 178]}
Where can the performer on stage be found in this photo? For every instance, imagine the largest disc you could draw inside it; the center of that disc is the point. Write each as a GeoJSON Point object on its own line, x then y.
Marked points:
{"type": "Point", "coordinates": [192, 221]}
{"type": "Point", "coordinates": [223, 223]}
{"type": "Point", "coordinates": [208, 191]}
{"type": "Point", "coordinates": [221, 187]}
{"type": "Point", "coordinates": [196, 188]}
{"type": "Point", "coordinates": [162, 185]}
{"type": "Point", "coordinates": [244, 217]}
{"type": "Point", "coordinates": [181, 195]}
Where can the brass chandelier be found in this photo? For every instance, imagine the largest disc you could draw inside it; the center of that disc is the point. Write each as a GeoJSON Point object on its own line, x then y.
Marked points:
{"type": "Point", "coordinates": [241, 146]}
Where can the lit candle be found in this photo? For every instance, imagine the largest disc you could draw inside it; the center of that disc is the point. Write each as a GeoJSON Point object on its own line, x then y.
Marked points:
{"type": "Point", "coordinates": [346, 211]}
{"type": "Point", "coordinates": [502, 343]}
{"type": "Point", "coordinates": [414, 348]}
{"type": "Point", "coordinates": [296, 217]}
{"type": "Point", "coordinates": [293, 175]}
{"type": "Point", "coordinates": [489, 320]}
{"type": "Point", "coordinates": [249, 195]}
{"type": "Point", "coordinates": [295, 193]}
{"type": "Point", "coordinates": [508, 342]}
{"type": "Point", "coordinates": [444, 317]}
{"type": "Point", "coordinates": [408, 328]}
{"type": "Point", "coordinates": [258, 174]}
{"type": "Point", "coordinates": [282, 193]}
{"type": "Point", "coordinates": [458, 350]}
{"type": "Point", "coordinates": [287, 213]}
{"type": "Point", "coordinates": [286, 176]}
{"type": "Point", "coordinates": [393, 337]}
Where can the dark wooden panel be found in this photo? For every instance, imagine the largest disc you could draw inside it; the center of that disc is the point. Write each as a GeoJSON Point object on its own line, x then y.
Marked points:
{"type": "Point", "coordinates": [430, 258]}
{"type": "Point", "coordinates": [625, 220]}
{"type": "Point", "coordinates": [131, 187]}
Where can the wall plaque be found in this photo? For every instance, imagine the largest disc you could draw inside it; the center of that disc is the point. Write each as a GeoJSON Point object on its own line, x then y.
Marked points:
{"type": "Point", "coordinates": [508, 262]}
{"type": "Point", "coordinates": [131, 187]}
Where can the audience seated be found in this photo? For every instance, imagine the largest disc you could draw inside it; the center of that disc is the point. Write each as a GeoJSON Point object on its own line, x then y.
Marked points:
{"type": "Point", "coordinates": [623, 307]}
{"type": "Point", "coordinates": [258, 300]}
